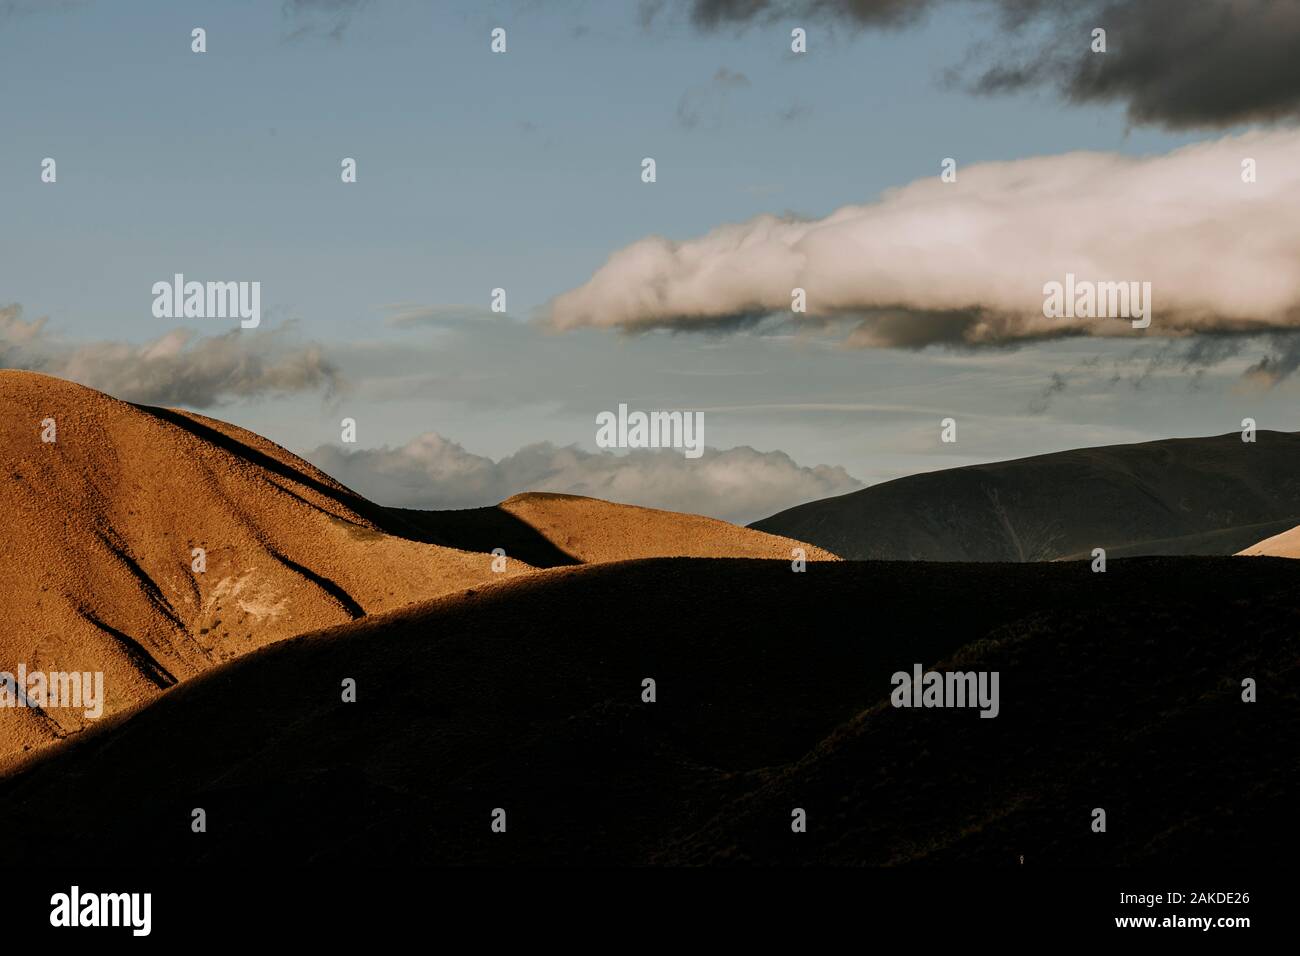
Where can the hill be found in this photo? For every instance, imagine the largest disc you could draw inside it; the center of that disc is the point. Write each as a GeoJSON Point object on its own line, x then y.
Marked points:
{"type": "Point", "coordinates": [1211, 496]}
{"type": "Point", "coordinates": [549, 529]}
{"type": "Point", "coordinates": [151, 544]}
{"type": "Point", "coordinates": [1283, 545]}
{"type": "Point", "coordinates": [98, 560]}
{"type": "Point", "coordinates": [1119, 690]}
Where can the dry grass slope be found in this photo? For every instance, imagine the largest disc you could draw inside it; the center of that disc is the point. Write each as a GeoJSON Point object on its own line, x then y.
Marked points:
{"type": "Point", "coordinates": [594, 531]}
{"type": "Point", "coordinates": [1284, 545]}
{"type": "Point", "coordinates": [96, 549]}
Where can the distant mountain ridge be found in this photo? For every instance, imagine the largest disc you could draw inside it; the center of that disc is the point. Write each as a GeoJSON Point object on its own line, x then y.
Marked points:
{"type": "Point", "coordinates": [1205, 496]}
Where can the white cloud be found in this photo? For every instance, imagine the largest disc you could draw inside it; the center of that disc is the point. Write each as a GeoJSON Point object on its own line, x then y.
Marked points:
{"type": "Point", "coordinates": [966, 262]}
{"type": "Point", "coordinates": [430, 472]}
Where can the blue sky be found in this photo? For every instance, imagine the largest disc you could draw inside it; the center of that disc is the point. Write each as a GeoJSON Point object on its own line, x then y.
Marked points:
{"type": "Point", "coordinates": [475, 171]}
{"type": "Point", "coordinates": [522, 171]}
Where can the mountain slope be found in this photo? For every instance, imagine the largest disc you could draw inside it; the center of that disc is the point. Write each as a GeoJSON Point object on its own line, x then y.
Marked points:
{"type": "Point", "coordinates": [1178, 496]}
{"type": "Point", "coordinates": [1119, 690]}
{"type": "Point", "coordinates": [1283, 545]}
{"type": "Point", "coordinates": [594, 531]}
{"type": "Point", "coordinates": [98, 563]}
{"type": "Point", "coordinates": [97, 559]}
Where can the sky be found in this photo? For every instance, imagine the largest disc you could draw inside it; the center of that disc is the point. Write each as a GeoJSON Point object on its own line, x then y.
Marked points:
{"type": "Point", "coordinates": [522, 171]}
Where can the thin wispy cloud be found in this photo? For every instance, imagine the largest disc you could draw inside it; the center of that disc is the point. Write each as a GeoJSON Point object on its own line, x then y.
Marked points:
{"type": "Point", "coordinates": [704, 106]}
{"type": "Point", "coordinates": [328, 18]}
{"type": "Point", "coordinates": [411, 314]}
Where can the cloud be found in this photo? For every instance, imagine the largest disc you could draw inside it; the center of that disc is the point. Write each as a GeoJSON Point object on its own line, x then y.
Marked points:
{"type": "Point", "coordinates": [1281, 362]}
{"type": "Point", "coordinates": [411, 314]}
{"type": "Point", "coordinates": [965, 263]}
{"type": "Point", "coordinates": [1174, 63]}
{"type": "Point", "coordinates": [15, 333]}
{"type": "Point", "coordinates": [705, 105]}
{"type": "Point", "coordinates": [712, 14]}
{"type": "Point", "coordinates": [1043, 400]}
{"type": "Point", "coordinates": [180, 367]}
{"type": "Point", "coordinates": [430, 472]}
{"type": "Point", "coordinates": [794, 113]}
{"type": "Point", "coordinates": [1213, 63]}
{"type": "Point", "coordinates": [330, 18]}
{"type": "Point", "coordinates": [1188, 359]}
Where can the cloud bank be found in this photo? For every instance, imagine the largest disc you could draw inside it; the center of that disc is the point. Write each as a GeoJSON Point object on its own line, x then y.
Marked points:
{"type": "Point", "coordinates": [965, 262]}
{"type": "Point", "coordinates": [178, 368]}
{"type": "Point", "coordinates": [430, 472]}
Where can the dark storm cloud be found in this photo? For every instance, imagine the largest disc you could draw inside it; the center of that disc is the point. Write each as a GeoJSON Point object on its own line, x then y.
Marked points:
{"type": "Point", "coordinates": [1172, 63]}
{"type": "Point", "coordinates": [1212, 63]}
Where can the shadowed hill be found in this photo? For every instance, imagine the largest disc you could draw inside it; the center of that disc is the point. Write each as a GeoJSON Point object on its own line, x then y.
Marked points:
{"type": "Point", "coordinates": [1119, 690]}
{"type": "Point", "coordinates": [1178, 496]}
